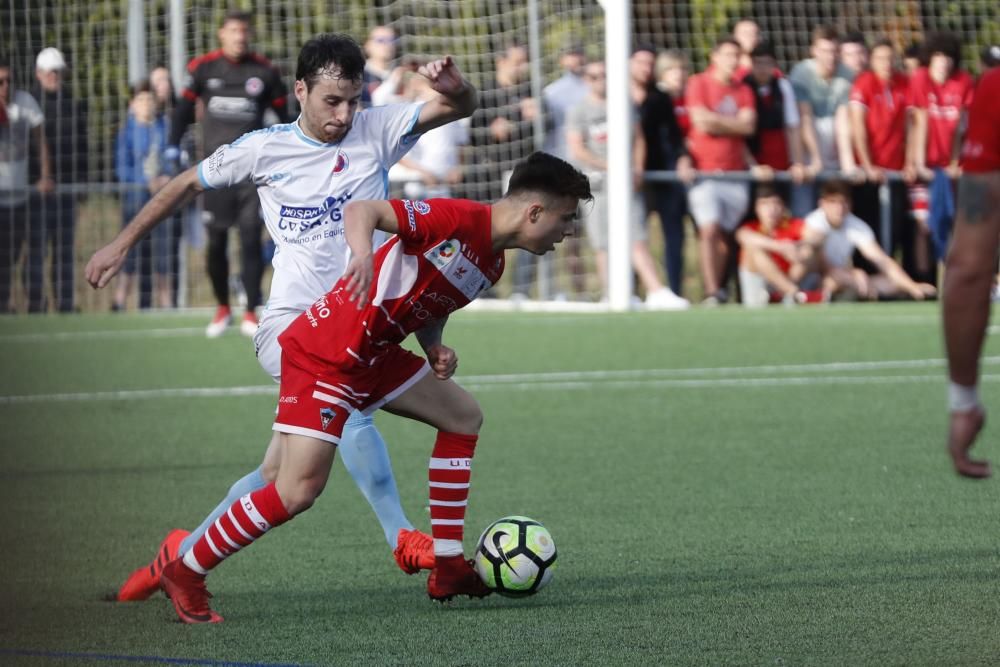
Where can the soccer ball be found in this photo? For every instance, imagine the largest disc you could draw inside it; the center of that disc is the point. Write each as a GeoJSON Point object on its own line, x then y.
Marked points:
{"type": "Point", "coordinates": [515, 556]}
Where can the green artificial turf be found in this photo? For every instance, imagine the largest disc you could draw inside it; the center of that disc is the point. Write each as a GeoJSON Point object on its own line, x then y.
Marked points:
{"type": "Point", "coordinates": [724, 487]}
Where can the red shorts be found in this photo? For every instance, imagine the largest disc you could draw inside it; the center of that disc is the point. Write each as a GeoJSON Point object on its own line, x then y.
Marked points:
{"type": "Point", "coordinates": [318, 406]}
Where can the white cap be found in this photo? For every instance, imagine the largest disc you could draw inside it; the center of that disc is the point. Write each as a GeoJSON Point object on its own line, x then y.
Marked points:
{"type": "Point", "coordinates": [50, 59]}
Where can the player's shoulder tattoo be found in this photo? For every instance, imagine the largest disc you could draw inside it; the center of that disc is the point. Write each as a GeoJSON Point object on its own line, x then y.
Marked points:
{"type": "Point", "coordinates": [978, 197]}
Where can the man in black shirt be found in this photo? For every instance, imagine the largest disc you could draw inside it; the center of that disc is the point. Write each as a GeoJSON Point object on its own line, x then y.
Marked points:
{"type": "Point", "coordinates": [66, 137]}
{"type": "Point", "coordinates": [236, 87]}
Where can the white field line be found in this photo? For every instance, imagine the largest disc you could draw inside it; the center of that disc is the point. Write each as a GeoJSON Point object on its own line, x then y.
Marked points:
{"type": "Point", "coordinates": [569, 317]}
{"type": "Point", "coordinates": [42, 336]}
{"type": "Point", "coordinates": [645, 379]}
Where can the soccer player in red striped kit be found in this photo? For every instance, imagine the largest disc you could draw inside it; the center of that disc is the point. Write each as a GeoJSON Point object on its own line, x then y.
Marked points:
{"type": "Point", "coordinates": [969, 274]}
{"type": "Point", "coordinates": [343, 354]}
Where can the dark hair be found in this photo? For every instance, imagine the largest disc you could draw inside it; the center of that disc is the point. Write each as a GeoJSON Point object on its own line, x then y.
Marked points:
{"type": "Point", "coordinates": [947, 43]}
{"type": "Point", "coordinates": [236, 15]}
{"type": "Point", "coordinates": [824, 31]}
{"type": "Point", "coordinates": [644, 47]}
{"type": "Point", "coordinates": [835, 188]}
{"type": "Point", "coordinates": [766, 190]}
{"type": "Point", "coordinates": [883, 42]}
{"type": "Point", "coordinates": [547, 174]}
{"type": "Point", "coordinates": [763, 50]}
{"type": "Point", "coordinates": [4, 62]}
{"type": "Point", "coordinates": [724, 41]}
{"type": "Point", "coordinates": [855, 37]}
{"type": "Point", "coordinates": [916, 50]}
{"type": "Point", "coordinates": [330, 54]}
{"type": "Point", "coordinates": [141, 86]}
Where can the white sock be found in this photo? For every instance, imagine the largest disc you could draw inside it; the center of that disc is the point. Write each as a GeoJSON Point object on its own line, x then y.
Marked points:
{"type": "Point", "coordinates": [962, 398]}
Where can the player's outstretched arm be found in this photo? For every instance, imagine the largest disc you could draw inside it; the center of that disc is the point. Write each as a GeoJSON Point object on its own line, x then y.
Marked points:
{"type": "Point", "coordinates": [457, 99]}
{"type": "Point", "coordinates": [107, 261]}
{"type": "Point", "coordinates": [361, 219]}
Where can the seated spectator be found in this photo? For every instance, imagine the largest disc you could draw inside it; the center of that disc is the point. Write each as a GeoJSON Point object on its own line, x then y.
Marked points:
{"type": "Point", "coordinates": [139, 161]}
{"type": "Point", "coordinates": [434, 164]}
{"type": "Point", "coordinates": [722, 116]}
{"type": "Point", "coordinates": [587, 139]}
{"type": "Point", "coordinates": [941, 94]}
{"type": "Point", "coordinates": [834, 234]}
{"type": "Point", "coordinates": [773, 264]}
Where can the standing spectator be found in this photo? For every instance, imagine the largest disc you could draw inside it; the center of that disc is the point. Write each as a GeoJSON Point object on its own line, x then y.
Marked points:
{"type": "Point", "coordinates": [665, 151]}
{"type": "Point", "coordinates": [66, 137]}
{"type": "Point", "coordinates": [166, 100]}
{"type": "Point", "coordinates": [587, 138]}
{"type": "Point", "coordinates": [854, 54]}
{"type": "Point", "coordinates": [989, 58]}
{"type": "Point", "coordinates": [139, 150]}
{"type": "Point", "coordinates": [835, 234]}
{"type": "Point", "coordinates": [562, 95]}
{"type": "Point", "coordinates": [434, 164]}
{"type": "Point", "coordinates": [722, 116]}
{"type": "Point", "coordinates": [776, 141]}
{"type": "Point", "coordinates": [558, 98]}
{"type": "Point", "coordinates": [878, 110]}
{"type": "Point", "coordinates": [970, 266]}
{"type": "Point", "coordinates": [380, 52]}
{"type": "Point", "coordinates": [822, 88]}
{"type": "Point", "coordinates": [941, 94]}
{"type": "Point", "coordinates": [773, 263]}
{"type": "Point", "coordinates": [21, 121]}
{"type": "Point", "coordinates": [913, 58]}
{"type": "Point", "coordinates": [236, 86]}
{"type": "Point", "coordinates": [501, 135]}
{"type": "Point", "coordinates": [672, 71]}
{"type": "Point", "coordinates": [746, 33]}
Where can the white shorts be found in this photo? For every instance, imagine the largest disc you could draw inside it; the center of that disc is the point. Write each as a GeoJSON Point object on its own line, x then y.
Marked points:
{"type": "Point", "coordinates": [721, 203]}
{"type": "Point", "coordinates": [595, 220]}
{"type": "Point", "coordinates": [754, 288]}
{"type": "Point", "coordinates": [265, 341]}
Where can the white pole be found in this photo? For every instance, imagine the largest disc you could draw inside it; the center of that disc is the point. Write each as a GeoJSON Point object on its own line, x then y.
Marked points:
{"type": "Point", "coordinates": [178, 52]}
{"type": "Point", "coordinates": [617, 41]}
{"type": "Point", "coordinates": [136, 38]}
{"type": "Point", "coordinates": [537, 131]}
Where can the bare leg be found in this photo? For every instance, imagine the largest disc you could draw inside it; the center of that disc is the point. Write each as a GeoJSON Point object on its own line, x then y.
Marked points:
{"type": "Point", "coordinates": [644, 265]}
{"type": "Point", "coordinates": [966, 310]}
{"type": "Point", "coordinates": [760, 262]}
{"type": "Point", "coordinates": [709, 237]}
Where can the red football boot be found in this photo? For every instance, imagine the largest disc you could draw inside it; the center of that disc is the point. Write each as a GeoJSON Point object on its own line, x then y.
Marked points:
{"type": "Point", "coordinates": [453, 575]}
{"type": "Point", "coordinates": [414, 551]}
{"type": "Point", "coordinates": [186, 590]}
{"type": "Point", "coordinates": [146, 580]}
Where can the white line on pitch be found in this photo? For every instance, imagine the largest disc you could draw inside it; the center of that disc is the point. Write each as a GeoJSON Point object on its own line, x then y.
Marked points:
{"type": "Point", "coordinates": [42, 336]}
{"type": "Point", "coordinates": [484, 385]}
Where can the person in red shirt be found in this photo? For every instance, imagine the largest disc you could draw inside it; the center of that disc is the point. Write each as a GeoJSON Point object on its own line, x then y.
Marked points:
{"type": "Point", "coordinates": [969, 273]}
{"type": "Point", "coordinates": [722, 115]}
{"type": "Point", "coordinates": [878, 112]}
{"type": "Point", "coordinates": [940, 94]}
{"type": "Point", "coordinates": [344, 354]}
{"type": "Point", "coordinates": [776, 143]}
{"type": "Point", "coordinates": [772, 261]}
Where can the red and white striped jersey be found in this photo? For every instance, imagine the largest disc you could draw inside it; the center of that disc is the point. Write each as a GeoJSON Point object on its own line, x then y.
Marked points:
{"type": "Point", "coordinates": [441, 259]}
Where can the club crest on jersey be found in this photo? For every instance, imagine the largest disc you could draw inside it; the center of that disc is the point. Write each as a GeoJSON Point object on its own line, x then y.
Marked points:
{"type": "Point", "coordinates": [342, 163]}
{"type": "Point", "coordinates": [254, 86]}
{"type": "Point", "coordinates": [326, 416]}
{"type": "Point", "coordinates": [421, 207]}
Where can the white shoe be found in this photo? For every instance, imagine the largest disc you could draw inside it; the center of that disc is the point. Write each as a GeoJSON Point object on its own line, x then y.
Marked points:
{"type": "Point", "coordinates": [665, 299]}
{"type": "Point", "coordinates": [219, 323]}
{"type": "Point", "coordinates": [248, 326]}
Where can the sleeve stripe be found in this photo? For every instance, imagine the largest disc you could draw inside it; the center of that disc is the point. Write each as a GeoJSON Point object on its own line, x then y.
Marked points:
{"type": "Point", "coordinates": [201, 177]}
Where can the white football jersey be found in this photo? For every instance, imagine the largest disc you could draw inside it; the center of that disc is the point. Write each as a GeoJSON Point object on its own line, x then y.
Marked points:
{"type": "Point", "coordinates": [303, 187]}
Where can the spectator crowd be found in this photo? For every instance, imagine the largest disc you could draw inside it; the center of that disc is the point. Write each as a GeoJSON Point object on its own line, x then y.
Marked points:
{"type": "Point", "coordinates": [783, 174]}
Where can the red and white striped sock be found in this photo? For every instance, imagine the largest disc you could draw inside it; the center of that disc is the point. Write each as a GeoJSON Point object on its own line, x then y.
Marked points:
{"type": "Point", "coordinates": [450, 470]}
{"type": "Point", "coordinates": [246, 520]}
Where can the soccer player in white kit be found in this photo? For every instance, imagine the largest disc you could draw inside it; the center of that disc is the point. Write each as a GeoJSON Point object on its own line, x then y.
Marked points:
{"type": "Point", "coordinates": [305, 173]}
